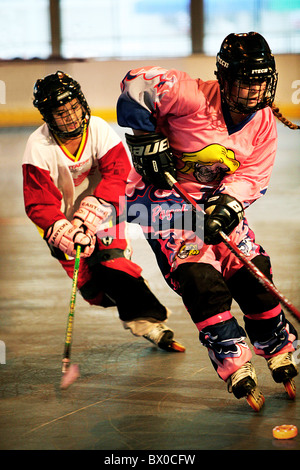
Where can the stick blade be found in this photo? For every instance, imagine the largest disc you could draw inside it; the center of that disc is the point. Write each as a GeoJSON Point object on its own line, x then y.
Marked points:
{"type": "Point", "coordinates": [72, 373]}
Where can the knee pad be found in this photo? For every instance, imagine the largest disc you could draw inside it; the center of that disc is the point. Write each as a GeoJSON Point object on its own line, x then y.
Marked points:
{"type": "Point", "coordinates": [226, 346]}
{"type": "Point", "coordinates": [223, 337]}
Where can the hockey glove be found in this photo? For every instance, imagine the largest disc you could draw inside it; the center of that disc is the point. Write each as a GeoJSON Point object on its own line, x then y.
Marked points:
{"type": "Point", "coordinates": [91, 213]}
{"type": "Point", "coordinates": [223, 213]}
{"type": "Point", "coordinates": [151, 157]}
{"type": "Point", "coordinates": [63, 235]}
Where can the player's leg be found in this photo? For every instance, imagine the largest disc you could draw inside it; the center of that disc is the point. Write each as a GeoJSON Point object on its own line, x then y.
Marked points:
{"type": "Point", "coordinates": [208, 302]}
{"type": "Point", "coordinates": [109, 279]}
{"type": "Point", "coordinates": [271, 334]}
{"type": "Point", "coordinates": [139, 309]}
{"type": "Point", "coordinates": [202, 287]}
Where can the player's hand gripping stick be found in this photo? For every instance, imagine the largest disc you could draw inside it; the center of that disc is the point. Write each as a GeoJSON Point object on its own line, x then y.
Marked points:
{"type": "Point", "coordinates": [239, 254]}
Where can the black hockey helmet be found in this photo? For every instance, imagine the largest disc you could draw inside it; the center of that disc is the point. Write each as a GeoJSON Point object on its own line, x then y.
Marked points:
{"type": "Point", "coordinates": [246, 58]}
{"type": "Point", "coordinates": [56, 90]}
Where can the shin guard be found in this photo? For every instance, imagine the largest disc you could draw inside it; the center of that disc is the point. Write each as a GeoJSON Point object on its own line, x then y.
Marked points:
{"type": "Point", "coordinates": [226, 344]}
{"type": "Point", "coordinates": [270, 336]}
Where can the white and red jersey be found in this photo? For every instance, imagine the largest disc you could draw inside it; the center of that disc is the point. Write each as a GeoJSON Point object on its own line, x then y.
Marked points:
{"type": "Point", "coordinates": [212, 154]}
{"type": "Point", "coordinates": [55, 181]}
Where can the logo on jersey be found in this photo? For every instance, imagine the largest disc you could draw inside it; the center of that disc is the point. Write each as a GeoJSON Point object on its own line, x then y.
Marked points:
{"type": "Point", "coordinates": [159, 212]}
{"type": "Point", "coordinates": [211, 163]}
{"type": "Point", "coordinates": [107, 241]}
{"type": "Point", "coordinates": [191, 249]}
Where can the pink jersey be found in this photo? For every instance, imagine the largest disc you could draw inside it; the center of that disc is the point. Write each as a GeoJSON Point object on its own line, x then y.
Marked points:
{"type": "Point", "coordinates": [212, 154]}
{"type": "Point", "coordinates": [55, 181]}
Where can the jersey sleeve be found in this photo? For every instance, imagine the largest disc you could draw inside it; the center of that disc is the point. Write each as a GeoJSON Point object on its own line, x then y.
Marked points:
{"type": "Point", "coordinates": [150, 93]}
{"type": "Point", "coordinates": [42, 199]}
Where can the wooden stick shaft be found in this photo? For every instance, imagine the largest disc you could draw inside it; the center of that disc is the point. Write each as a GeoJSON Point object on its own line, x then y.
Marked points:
{"type": "Point", "coordinates": [69, 331]}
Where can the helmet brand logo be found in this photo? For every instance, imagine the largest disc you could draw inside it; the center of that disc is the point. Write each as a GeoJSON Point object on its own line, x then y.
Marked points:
{"type": "Point", "coordinates": [63, 95]}
{"type": "Point", "coordinates": [259, 71]}
{"type": "Point", "coordinates": [222, 62]}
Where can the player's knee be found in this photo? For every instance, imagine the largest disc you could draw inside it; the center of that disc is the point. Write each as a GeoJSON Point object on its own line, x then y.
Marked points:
{"type": "Point", "coordinates": [91, 294]}
{"type": "Point", "coordinates": [252, 297]}
{"type": "Point", "coordinates": [203, 290]}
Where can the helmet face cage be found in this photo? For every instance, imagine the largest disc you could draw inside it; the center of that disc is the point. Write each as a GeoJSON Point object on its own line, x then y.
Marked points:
{"type": "Point", "coordinates": [57, 90]}
{"type": "Point", "coordinates": [246, 73]}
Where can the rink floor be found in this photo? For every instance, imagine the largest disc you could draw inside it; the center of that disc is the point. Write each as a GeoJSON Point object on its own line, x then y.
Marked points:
{"type": "Point", "coordinates": [130, 396]}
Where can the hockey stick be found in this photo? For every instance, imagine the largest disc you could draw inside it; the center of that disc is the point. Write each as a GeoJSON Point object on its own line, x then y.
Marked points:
{"type": "Point", "coordinates": [260, 276]}
{"type": "Point", "coordinates": [71, 372]}
{"type": "Point", "coordinates": [239, 254]}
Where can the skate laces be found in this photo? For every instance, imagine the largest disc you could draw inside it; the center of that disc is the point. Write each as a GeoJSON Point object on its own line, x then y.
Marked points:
{"type": "Point", "coordinates": [156, 334]}
{"type": "Point", "coordinates": [247, 370]}
{"type": "Point", "coordinates": [281, 360]}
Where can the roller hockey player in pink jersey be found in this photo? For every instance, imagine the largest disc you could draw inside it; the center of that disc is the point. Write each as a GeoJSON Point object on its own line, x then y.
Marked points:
{"type": "Point", "coordinates": [218, 139]}
{"type": "Point", "coordinates": [75, 169]}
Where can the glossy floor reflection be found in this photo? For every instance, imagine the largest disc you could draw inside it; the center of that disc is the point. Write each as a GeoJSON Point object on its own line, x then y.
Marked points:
{"type": "Point", "coordinates": [130, 396]}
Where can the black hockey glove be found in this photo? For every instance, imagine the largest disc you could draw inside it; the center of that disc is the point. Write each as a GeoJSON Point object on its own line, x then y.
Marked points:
{"type": "Point", "coordinates": [226, 215]}
{"type": "Point", "coordinates": [151, 157]}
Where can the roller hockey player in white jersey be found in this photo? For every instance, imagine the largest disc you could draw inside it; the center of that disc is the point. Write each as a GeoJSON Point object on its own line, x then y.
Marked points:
{"type": "Point", "coordinates": [218, 139]}
{"type": "Point", "coordinates": [75, 169]}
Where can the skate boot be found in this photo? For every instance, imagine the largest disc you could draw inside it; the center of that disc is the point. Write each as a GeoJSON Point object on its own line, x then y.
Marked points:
{"type": "Point", "coordinates": [243, 383]}
{"type": "Point", "coordinates": [283, 368]}
{"type": "Point", "coordinates": [163, 337]}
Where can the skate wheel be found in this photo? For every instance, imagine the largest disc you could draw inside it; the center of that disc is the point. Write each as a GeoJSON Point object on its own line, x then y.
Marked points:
{"type": "Point", "coordinates": [174, 346]}
{"type": "Point", "coordinates": [290, 388]}
{"type": "Point", "coordinates": [255, 399]}
{"type": "Point", "coordinates": [286, 431]}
